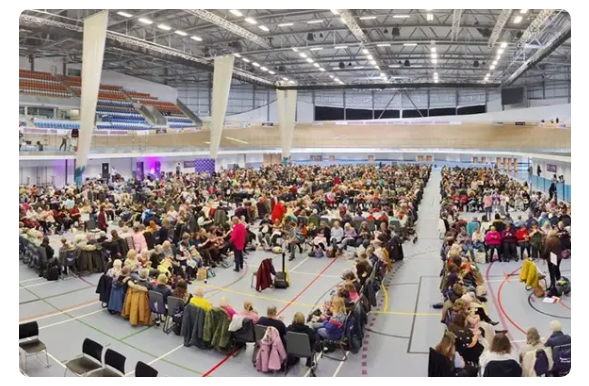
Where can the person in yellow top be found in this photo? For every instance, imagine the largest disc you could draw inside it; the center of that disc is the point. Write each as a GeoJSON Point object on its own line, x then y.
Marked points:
{"type": "Point", "coordinates": [199, 301]}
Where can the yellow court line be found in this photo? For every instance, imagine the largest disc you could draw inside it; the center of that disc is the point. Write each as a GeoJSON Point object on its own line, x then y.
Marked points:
{"type": "Point", "coordinates": [309, 305]}
{"type": "Point", "coordinates": [386, 299]}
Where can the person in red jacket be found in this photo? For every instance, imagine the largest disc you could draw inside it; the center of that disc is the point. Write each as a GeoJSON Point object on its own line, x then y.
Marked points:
{"type": "Point", "coordinates": [523, 240]}
{"type": "Point", "coordinates": [238, 238]}
{"type": "Point", "coordinates": [278, 211]}
{"type": "Point", "coordinates": [102, 224]}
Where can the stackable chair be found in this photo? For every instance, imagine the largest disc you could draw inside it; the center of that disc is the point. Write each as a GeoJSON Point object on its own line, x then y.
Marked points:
{"type": "Point", "coordinates": [29, 343]}
{"type": "Point", "coordinates": [91, 359]}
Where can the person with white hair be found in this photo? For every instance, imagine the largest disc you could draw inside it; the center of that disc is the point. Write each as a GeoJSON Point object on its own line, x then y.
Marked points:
{"type": "Point", "coordinates": [557, 338]}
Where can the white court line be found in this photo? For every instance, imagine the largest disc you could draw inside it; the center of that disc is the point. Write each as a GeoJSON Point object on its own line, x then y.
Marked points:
{"type": "Point", "coordinates": [339, 367]}
{"type": "Point", "coordinates": [58, 312]}
{"type": "Point", "coordinates": [309, 371]}
{"type": "Point", "coordinates": [299, 264]}
{"type": "Point", "coordinates": [159, 358]}
{"type": "Point", "coordinates": [72, 319]}
{"type": "Point", "coordinates": [56, 360]}
{"type": "Point", "coordinates": [33, 279]}
{"type": "Point", "coordinates": [44, 283]}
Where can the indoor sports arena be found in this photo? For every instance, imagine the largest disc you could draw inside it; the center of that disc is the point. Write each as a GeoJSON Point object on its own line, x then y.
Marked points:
{"type": "Point", "coordinates": [295, 193]}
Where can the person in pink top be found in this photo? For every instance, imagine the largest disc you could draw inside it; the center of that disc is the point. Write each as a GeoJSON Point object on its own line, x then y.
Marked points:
{"type": "Point", "coordinates": [139, 242]}
{"type": "Point", "coordinates": [488, 204]}
{"type": "Point", "coordinates": [493, 241]}
{"type": "Point", "coordinates": [238, 238]}
{"type": "Point", "coordinates": [249, 312]}
{"type": "Point", "coordinates": [224, 304]}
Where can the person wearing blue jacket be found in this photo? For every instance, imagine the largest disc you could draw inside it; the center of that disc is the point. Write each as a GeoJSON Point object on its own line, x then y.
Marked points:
{"type": "Point", "coordinates": [332, 327]}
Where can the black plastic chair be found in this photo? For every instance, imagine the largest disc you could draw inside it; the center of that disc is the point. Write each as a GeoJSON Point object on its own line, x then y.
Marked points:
{"type": "Point", "coordinates": [173, 302]}
{"type": "Point", "coordinates": [342, 343]}
{"type": "Point", "coordinates": [145, 370]}
{"type": "Point", "coordinates": [91, 359]}
{"type": "Point", "coordinates": [259, 332]}
{"type": "Point", "coordinates": [29, 343]}
{"type": "Point", "coordinates": [114, 365]}
{"type": "Point", "coordinates": [298, 346]}
{"type": "Point", "coordinates": [157, 304]}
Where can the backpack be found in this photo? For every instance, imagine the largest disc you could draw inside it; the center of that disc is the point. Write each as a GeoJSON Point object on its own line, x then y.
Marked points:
{"type": "Point", "coordinates": [563, 287]}
{"type": "Point", "coordinates": [541, 365]}
{"type": "Point", "coordinates": [52, 273]}
{"type": "Point", "coordinates": [562, 360]}
{"type": "Point", "coordinates": [177, 318]}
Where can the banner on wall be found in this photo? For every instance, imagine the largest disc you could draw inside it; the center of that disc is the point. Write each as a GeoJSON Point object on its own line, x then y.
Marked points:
{"type": "Point", "coordinates": [484, 160]}
{"type": "Point", "coordinates": [331, 158]}
{"type": "Point", "coordinates": [370, 158]}
{"type": "Point", "coordinates": [505, 164]}
{"type": "Point", "coordinates": [515, 164]}
{"type": "Point", "coordinates": [475, 160]}
{"type": "Point", "coordinates": [498, 162]}
{"type": "Point", "coordinates": [317, 158]}
{"type": "Point", "coordinates": [551, 168]}
{"type": "Point", "coordinates": [429, 158]}
{"type": "Point", "coordinates": [420, 158]}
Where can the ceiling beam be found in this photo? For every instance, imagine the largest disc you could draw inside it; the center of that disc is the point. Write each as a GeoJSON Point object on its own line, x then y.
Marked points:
{"type": "Point", "coordinates": [535, 25]}
{"type": "Point", "coordinates": [382, 86]}
{"type": "Point", "coordinates": [498, 29]}
{"type": "Point", "coordinates": [539, 55]}
{"type": "Point", "coordinates": [229, 26]}
{"type": "Point", "coordinates": [456, 15]}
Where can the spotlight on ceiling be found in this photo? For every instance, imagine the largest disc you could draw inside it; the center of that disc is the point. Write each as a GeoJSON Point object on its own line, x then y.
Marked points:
{"type": "Point", "coordinates": [396, 31]}
{"type": "Point", "coordinates": [350, 64]}
{"type": "Point", "coordinates": [476, 64]}
{"type": "Point", "coordinates": [341, 65]}
{"type": "Point", "coordinates": [386, 31]}
{"type": "Point", "coordinates": [407, 63]}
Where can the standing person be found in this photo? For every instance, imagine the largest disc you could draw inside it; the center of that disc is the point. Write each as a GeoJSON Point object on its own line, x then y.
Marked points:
{"type": "Point", "coordinates": [238, 238]}
{"type": "Point", "coordinates": [102, 223]}
{"type": "Point", "coordinates": [178, 169]}
{"type": "Point", "coordinates": [64, 142]}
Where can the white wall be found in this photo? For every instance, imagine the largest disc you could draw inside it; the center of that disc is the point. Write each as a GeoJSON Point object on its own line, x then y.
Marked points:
{"type": "Point", "coordinates": [562, 168]}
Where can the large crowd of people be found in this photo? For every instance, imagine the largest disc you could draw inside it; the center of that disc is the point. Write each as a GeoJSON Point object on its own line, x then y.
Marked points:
{"type": "Point", "coordinates": [160, 233]}
{"type": "Point", "coordinates": [541, 231]}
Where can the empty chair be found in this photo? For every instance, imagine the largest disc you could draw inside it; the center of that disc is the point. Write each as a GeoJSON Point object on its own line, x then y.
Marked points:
{"type": "Point", "coordinates": [173, 303]}
{"type": "Point", "coordinates": [91, 359]}
{"type": "Point", "coordinates": [157, 304]}
{"type": "Point", "coordinates": [29, 343]}
{"type": "Point", "coordinates": [145, 370]}
{"type": "Point", "coordinates": [298, 346]}
{"type": "Point", "coordinates": [260, 331]}
{"type": "Point", "coordinates": [114, 365]}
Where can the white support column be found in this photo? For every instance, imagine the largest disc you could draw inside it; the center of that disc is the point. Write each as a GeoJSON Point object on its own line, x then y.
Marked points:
{"type": "Point", "coordinates": [287, 108]}
{"type": "Point", "coordinates": [92, 57]}
{"type": "Point", "coordinates": [221, 84]}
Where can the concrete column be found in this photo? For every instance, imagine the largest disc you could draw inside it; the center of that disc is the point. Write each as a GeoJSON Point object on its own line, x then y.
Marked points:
{"type": "Point", "coordinates": [287, 108]}
{"type": "Point", "coordinates": [221, 84]}
{"type": "Point", "coordinates": [92, 57]}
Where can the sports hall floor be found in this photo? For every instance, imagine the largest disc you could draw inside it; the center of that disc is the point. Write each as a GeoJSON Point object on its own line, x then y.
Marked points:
{"type": "Point", "coordinates": [400, 331]}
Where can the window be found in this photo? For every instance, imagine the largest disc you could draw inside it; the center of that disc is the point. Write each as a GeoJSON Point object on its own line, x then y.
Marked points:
{"type": "Point", "coordinates": [41, 112]}
{"type": "Point", "coordinates": [21, 110]}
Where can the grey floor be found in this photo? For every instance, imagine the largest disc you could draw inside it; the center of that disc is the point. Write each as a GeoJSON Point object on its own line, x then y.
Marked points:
{"type": "Point", "coordinates": [401, 331]}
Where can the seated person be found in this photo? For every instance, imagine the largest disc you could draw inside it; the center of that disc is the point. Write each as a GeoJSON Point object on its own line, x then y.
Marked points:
{"type": "Point", "coordinates": [467, 342]}
{"type": "Point", "coordinates": [331, 323]}
{"type": "Point", "coordinates": [298, 325]}
{"type": "Point", "coordinates": [499, 360]}
{"type": "Point", "coordinates": [454, 364]}
{"type": "Point", "coordinates": [181, 291]}
{"type": "Point", "coordinates": [162, 287]}
{"type": "Point", "coordinates": [319, 242]}
{"type": "Point", "coordinates": [557, 338]}
{"type": "Point", "coordinates": [224, 304]}
{"type": "Point", "coordinates": [249, 312]}
{"type": "Point", "coordinates": [272, 320]}
{"type": "Point", "coordinates": [199, 300]}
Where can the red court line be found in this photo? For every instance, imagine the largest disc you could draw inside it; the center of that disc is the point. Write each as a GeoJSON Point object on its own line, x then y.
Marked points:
{"type": "Point", "coordinates": [497, 301]}
{"type": "Point", "coordinates": [214, 368]}
{"type": "Point", "coordinates": [60, 310]}
{"type": "Point", "coordinates": [565, 306]}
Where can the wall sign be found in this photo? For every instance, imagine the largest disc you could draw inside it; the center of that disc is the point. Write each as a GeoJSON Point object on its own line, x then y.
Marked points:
{"type": "Point", "coordinates": [551, 168]}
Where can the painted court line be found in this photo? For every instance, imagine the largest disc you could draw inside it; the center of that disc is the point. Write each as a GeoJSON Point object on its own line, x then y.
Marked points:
{"type": "Point", "coordinates": [339, 367]}
{"type": "Point", "coordinates": [72, 319]}
{"type": "Point", "coordinates": [159, 358]}
{"type": "Point", "coordinates": [44, 283]}
{"type": "Point", "coordinates": [299, 264]}
{"type": "Point", "coordinates": [59, 311]}
{"type": "Point", "coordinates": [33, 279]}
{"type": "Point", "coordinates": [214, 368]}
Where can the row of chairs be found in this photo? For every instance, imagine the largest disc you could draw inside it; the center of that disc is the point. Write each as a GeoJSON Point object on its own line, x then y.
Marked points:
{"type": "Point", "coordinates": [48, 93]}
{"type": "Point", "coordinates": [95, 362]}
{"type": "Point", "coordinates": [45, 81]}
{"type": "Point", "coordinates": [35, 75]}
{"type": "Point", "coordinates": [116, 104]}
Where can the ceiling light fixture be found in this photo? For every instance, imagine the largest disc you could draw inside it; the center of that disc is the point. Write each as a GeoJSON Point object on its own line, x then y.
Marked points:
{"type": "Point", "coordinates": [124, 14]}
{"type": "Point", "coordinates": [369, 57]}
{"type": "Point", "coordinates": [373, 62]}
{"type": "Point", "coordinates": [285, 79]}
{"type": "Point", "coordinates": [164, 27]}
{"type": "Point", "coordinates": [336, 79]}
{"type": "Point", "coordinates": [498, 57]}
{"type": "Point", "coordinates": [145, 21]}
{"type": "Point", "coordinates": [434, 55]}
{"type": "Point", "coordinates": [340, 47]}
{"type": "Point", "coordinates": [523, 11]}
{"type": "Point", "coordinates": [494, 62]}
{"type": "Point", "coordinates": [237, 55]}
{"type": "Point", "coordinates": [331, 76]}
{"type": "Point", "coordinates": [365, 51]}
{"type": "Point", "coordinates": [500, 51]}
{"type": "Point", "coordinates": [303, 55]}
{"type": "Point", "coordinates": [334, 11]}
{"type": "Point", "coordinates": [377, 67]}
{"type": "Point", "coordinates": [517, 19]}
{"type": "Point", "coordinates": [409, 44]}
{"type": "Point", "coordinates": [285, 24]}
{"type": "Point", "coordinates": [256, 64]}
{"type": "Point", "coordinates": [295, 49]}
{"type": "Point", "coordinates": [246, 60]}
{"type": "Point", "coordinates": [434, 49]}
{"type": "Point", "coordinates": [383, 45]}
{"type": "Point", "coordinates": [316, 65]}
{"type": "Point", "coordinates": [503, 44]}
{"type": "Point", "coordinates": [315, 21]}
{"type": "Point", "coordinates": [382, 74]}
{"type": "Point", "coordinates": [400, 16]}
{"type": "Point", "coordinates": [198, 39]}
{"type": "Point", "coordinates": [435, 61]}
{"type": "Point", "coordinates": [492, 67]}
{"type": "Point", "coordinates": [291, 81]}
{"type": "Point", "coordinates": [367, 17]}
{"type": "Point", "coordinates": [358, 67]}
{"type": "Point", "coordinates": [250, 20]}
{"type": "Point", "coordinates": [309, 60]}
{"type": "Point", "coordinates": [181, 33]}
{"type": "Point", "coordinates": [316, 48]}
{"type": "Point", "coordinates": [264, 68]}
{"type": "Point", "coordinates": [435, 74]}
{"type": "Point", "coordinates": [264, 28]}
{"type": "Point", "coordinates": [236, 12]}
{"type": "Point", "coordinates": [271, 72]}
{"type": "Point", "coordinates": [436, 81]}
{"type": "Point", "coordinates": [429, 17]}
